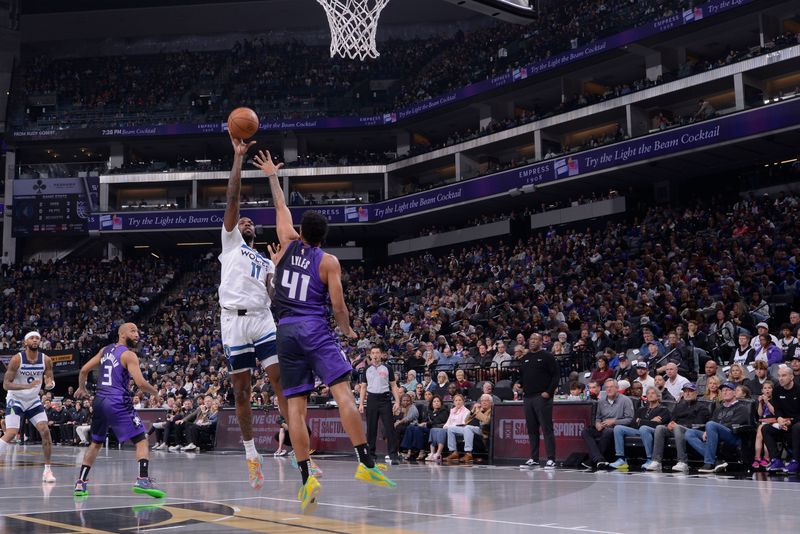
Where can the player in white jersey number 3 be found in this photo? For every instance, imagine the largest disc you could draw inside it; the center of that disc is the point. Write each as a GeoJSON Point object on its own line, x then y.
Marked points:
{"type": "Point", "coordinates": [248, 329]}
{"type": "Point", "coordinates": [23, 380]}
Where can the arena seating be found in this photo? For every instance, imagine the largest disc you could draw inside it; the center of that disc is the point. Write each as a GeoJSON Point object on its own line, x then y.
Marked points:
{"type": "Point", "coordinates": [145, 89]}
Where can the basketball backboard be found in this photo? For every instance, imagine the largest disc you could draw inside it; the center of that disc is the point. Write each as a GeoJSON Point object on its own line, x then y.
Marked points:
{"type": "Point", "coordinates": [517, 11]}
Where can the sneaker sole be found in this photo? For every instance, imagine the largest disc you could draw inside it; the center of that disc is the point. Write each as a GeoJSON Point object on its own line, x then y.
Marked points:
{"type": "Point", "coordinates": [311, 505]}
{"type": "Point", "coordinates": [383, 482]}
{"type": "Point", "coordinates": [156, 494]}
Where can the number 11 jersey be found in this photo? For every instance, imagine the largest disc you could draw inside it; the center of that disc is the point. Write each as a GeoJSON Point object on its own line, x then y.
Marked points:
{"type": "Point", "coordinates": [243, 284]}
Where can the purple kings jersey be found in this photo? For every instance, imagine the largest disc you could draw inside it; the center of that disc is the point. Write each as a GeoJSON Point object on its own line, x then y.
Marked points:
{"type": "Point", "coordinates": [114, 377]}
{"type": "Point", "coordinates": [299, 290]}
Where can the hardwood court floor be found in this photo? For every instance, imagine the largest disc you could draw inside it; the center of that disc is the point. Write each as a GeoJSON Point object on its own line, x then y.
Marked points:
{"type": "Point", "coordinates": [208, 492]}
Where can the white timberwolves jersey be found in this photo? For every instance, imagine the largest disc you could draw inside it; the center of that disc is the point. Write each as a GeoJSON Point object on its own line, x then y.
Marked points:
{"type": "Point", "coordinates": [243, 285]}
{"type": "Point", "coordinates": [28, 373]}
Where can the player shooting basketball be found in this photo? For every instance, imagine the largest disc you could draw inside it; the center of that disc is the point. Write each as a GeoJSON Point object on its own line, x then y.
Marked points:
{"type": "Point", "coordinates": [305, 278]}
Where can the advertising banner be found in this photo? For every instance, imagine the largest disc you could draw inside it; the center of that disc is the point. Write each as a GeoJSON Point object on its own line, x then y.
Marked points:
{"type": "Point", "coordinates": [511, 434]}
{"type": "Point", "coordinates": [640, 149]}
{"type": "Point", "coordinates": [632, 35]}
{"type": "Point", "coordinates": [64, 361]}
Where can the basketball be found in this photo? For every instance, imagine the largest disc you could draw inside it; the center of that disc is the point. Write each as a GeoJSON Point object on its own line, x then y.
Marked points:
{"type": "Point", "coordinates": [243, 123]}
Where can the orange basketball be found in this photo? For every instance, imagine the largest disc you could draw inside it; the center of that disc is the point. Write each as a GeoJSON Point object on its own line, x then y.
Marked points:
{"type": "Point", "coordinates": [243, 123]}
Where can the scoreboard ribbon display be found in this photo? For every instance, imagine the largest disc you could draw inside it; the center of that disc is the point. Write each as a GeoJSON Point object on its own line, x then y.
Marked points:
{"type": "Point", "coordinates": [54, 205]}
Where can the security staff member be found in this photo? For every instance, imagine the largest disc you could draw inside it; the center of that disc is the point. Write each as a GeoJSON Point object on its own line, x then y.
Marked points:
{"type": "Point", "coordinates": [378, 387]}
{"type": "Point", "coordinates": [540, 377]}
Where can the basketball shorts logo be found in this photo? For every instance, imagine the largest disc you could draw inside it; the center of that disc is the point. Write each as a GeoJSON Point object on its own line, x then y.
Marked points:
{"type": "Point", "coordinates": [227, 351]}
{"type": "Point", "coordinates": [137, 421]}
{"type": "Point", "coordinates": [10, 410]}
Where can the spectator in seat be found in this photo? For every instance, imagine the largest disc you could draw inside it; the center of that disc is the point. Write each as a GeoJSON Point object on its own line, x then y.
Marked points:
{"type": "Point", "coordinates": [438, 437]}
{"type": "Point", "coordinates": [687, 412]}
{"type": "Point", "coordinates": [736, 374]}
{"type": "Point", "coordinates": [643, 375]}
{"type": "Point", "coordinates": [488, 389]}
{"type": "Point", "coordinates": [415, 439]}
{"type": "Point", "coordinates": [83, 419]}
{"type": "Point", "coordinates": [602, 372]}
{"type": "Point", "coordinates": [675, 381]}
{"type": "Point", "coordinates": [647, 418]}
{"type": "Point", "coordinates": [419, 392]}
{"type": "Point", "coordinates": [450, 392]}
{"type": "Point", "coordinates": [448, 360]}
{"type": "Point", "coordinates": [477, 422]}
{"type": "Point", "coordinates": [613, 410]}
{"type": "Point", "coordinates": [731, 412]}
{"type": "Point", "coordinates": [462, 384]}
{"type": "Point", "coordinates": [677, 353]}
{"type": "Point", "coordinates": [624, 371]}
{"type": "Point", "coordinates": [441, 384]}
{"type": "Point", "coordinates": [594, 391]}
{"type": "Point", "coordinates": [636, 393]}
{"type": "Point", "coordinates": [58, 418]}
{"type": "Point", "coordinates": [661, 385]}
{"type": "Point", "coordinates": [744, 353]}
{"type": "Point", "coordinates": [759, 309]}
{"type": "Point", "coordinates": [787, 341]}
{"type": "Point", "coordinates": [760, 377]}
{"type": "Point", "coordinates": [409, 415]}
{"type": "Point", "coordinates": [174, 431]}
{"type": "Point", "coordinates": [500, 356]}
{"type": "Point", "coordinates": [765, 415]}
{"type": "Point", "coordinates": [769, 352]}
{"type": "Point", "coordinates": [202, 420]}
{"type": "Point", "coordinates": [786, 401]}
{"type": "Point", "coordinates": [713, 390]}
{"type": "Point", "coordinates": [411, 381]}
{"type": "Point", "coordinates": [763, 329]}
{"type": "Point", "coordinates": [794, 365]}
{"type": "Point", "coordinates": [711, 369]}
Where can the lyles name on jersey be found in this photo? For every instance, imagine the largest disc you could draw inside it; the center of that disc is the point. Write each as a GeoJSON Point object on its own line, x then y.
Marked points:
{"type": "Point", "coordinates": [301, 262]}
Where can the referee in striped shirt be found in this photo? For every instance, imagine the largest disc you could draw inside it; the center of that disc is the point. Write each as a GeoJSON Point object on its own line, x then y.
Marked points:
{"type": "Point", "coordinates": [379, 388]}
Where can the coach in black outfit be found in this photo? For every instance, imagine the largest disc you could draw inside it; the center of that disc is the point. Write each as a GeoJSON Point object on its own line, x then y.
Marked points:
{"type": "Point", "coordinates": [540, 377]}
{"type": "Point", "coordinates": [378, 387]}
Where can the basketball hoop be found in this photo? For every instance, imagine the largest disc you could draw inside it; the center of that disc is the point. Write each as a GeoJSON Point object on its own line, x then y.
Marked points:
{"type": "Point", "coordinates": [354, 24]}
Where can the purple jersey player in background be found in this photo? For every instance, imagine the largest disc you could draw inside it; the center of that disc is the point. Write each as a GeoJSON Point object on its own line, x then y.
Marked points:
{"type": "Point", "coordinates": [305, 277]}
{"type": "Point", "coordinates": [113, 407]}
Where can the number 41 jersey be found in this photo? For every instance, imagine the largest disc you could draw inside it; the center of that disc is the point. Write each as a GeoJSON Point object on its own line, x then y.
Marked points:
{"type": "Point", "coordinates": [299, 290]}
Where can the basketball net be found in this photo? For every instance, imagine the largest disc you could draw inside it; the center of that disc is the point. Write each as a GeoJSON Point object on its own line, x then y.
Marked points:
{"type": "Point", "coordinates": [354, 24]}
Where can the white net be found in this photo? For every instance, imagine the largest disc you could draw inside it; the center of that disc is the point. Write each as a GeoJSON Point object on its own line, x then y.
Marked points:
{"type": "Point", "coordinates": [354, 24]}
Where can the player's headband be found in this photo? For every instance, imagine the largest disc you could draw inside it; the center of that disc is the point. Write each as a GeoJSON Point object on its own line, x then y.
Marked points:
{"type": "Point", "coordinates": [32, 334]}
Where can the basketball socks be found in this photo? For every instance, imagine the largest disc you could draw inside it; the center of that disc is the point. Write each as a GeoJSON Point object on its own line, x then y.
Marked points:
{"type": "Point", "coordinates": [303, 466]}
{"type": "Point", "coordinates": [250, 449]}
{"type": "Point", "coordinates": [84, 472]}
{"type": "Point", "coordinates": [364, 456]}
{"type": "Point", "coordinates": [144, 465]}
{"type": "Point", "coordinates": [47, 467]}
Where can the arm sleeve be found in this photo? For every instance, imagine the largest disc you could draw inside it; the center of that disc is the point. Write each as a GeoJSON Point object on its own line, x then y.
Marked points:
{"type": "Point", "coordinates": [627, 412]}
{"type": "Point", "coordinates": [231, 240]}
{"type": "Point", "coordinates": [391, 374]}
